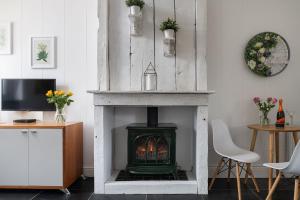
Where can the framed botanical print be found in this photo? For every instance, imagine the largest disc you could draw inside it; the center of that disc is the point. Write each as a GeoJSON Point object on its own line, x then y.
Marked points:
{"type": "Point", "coordinates": [5, 38]}
{"type": "Point", "coordinates": [43, 52]}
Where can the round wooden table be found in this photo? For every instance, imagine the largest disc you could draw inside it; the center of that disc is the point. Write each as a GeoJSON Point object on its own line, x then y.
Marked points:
{"type": "Point", "coordinates": [273, 133]}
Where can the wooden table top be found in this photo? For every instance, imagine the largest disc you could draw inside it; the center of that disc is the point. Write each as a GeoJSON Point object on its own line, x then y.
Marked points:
{"type": "Point", "coordinates": [38, 124]}
{"type": "Point", "coordinates": [287, 128]}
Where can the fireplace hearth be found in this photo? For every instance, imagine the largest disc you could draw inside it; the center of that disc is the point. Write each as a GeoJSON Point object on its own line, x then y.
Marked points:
{"type": "Point", "coordinates": [152, 150]}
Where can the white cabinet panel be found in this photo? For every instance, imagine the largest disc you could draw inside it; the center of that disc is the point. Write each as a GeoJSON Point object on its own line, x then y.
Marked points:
{"type": "Point", "coordinates": [46, 157]}
{"type": "Point", "coordinates": [13, 157]}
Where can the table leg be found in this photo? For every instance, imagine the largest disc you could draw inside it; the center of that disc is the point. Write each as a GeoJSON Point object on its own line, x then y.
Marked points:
{"type": "Point", "coordinates": [270, 155]}
{"type": "Point", "coordinates": [295, 136]}
{"type": "Point", "coordinates": [252, 146]}
{"type": "Point", "coordinates": [277, 150]}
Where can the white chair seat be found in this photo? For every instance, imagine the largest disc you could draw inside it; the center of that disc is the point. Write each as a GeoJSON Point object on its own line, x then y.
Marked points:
{"type": "Point", "coordinates": [278, 166]}
{"type": "Point", "coordinates": [241, 155]}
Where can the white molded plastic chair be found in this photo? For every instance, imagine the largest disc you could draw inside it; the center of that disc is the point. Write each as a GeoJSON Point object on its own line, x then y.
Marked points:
{"type": "Point", "coordinates": [292, 167]}
{"type": "Point", "coordinates": [225, 147]}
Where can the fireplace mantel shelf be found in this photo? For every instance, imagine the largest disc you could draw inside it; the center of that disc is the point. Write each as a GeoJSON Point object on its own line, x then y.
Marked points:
{"type": "Point", "coordinates": [150, 98]}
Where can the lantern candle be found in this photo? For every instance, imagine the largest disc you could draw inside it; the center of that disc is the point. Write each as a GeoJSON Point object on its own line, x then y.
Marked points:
{"type": "Point", "coordinates": [150, 78]}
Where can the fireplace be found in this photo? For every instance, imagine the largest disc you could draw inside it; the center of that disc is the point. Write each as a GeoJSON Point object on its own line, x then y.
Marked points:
{"type": "Point", "coordinates": [152, 150]}
{"type": "Point", "coordinates": [111, 153]}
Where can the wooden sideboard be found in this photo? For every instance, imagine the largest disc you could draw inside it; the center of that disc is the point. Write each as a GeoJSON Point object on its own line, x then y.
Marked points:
{"type": "Point", "coordinates": [41, 155]}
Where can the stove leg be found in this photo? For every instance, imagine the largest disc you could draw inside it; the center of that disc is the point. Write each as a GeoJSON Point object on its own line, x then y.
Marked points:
{"type": "Point", "coordinates": [175, 175]}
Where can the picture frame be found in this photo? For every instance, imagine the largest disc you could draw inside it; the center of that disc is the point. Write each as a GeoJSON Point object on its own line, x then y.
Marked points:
{"type": "Point", "coordinates": [5, 38]}
{"type": "Point", "coordinates": [43, 52]}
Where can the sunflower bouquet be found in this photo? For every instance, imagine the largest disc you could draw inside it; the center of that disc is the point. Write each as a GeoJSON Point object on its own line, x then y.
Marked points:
{"type": "Point", "coordinates": [59, 98]}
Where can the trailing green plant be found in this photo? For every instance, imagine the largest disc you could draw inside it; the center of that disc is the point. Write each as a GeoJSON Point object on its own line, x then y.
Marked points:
{"type": "Point", "coordinates": [169, 24]}
{"type": "Point", "coordinates": [139, 3]}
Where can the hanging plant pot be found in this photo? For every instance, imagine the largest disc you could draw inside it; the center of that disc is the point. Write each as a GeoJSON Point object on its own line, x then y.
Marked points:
{"type": "Point", "coordinates": [169, 43]}
{"type": "Point", "coordinates": [135, 10]}
{"type": "Point", "coordinates": [169, 27]}
{"type": "Point", "coordinates": [136, 18]}
{"type": "Point", "coordinates": [169, 34]}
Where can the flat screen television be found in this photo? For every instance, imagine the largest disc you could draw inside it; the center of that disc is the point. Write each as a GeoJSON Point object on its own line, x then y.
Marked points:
{"type": "Point", "coordinates": [26, 94]}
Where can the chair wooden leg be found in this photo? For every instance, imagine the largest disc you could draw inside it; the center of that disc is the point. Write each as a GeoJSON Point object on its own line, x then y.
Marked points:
{"type": "Point", "coordinates": [296, 191]}
{"type": "Point", "coordinates": [229, 171]}
{"type": "Point", "coordinates": [238, 180]}
{"type": "Point", "coordinates": [216, 173]}
{"type": "Point", "coordinates": [252, 146]}
{"type": "Point", "coordinates": [274, 186]}
{"type": "Point", "coordinates": [253, 179]}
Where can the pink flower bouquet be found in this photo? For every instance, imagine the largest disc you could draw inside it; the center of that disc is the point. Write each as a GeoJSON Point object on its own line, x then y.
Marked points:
{"type": "Point", "coordinates": [265, 107]}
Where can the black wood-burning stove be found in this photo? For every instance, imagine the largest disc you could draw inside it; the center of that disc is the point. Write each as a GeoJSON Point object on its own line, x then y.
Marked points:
{"type": "Point", "coordinates": [152, 147]}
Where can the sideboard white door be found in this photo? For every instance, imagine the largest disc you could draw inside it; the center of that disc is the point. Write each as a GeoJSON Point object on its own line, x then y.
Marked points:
{"type": "Point", "coordinates": [46, 157]}
{"type": "Point", "coordinates": [13, 157]}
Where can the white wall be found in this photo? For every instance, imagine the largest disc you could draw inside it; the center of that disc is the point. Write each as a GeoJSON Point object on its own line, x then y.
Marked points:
{"type": "Point", "coordinates": [75, 24]}
{"type": "Point", "coordinates": [231, 23]}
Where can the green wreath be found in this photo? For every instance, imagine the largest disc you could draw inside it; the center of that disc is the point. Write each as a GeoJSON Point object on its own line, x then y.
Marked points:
{"type": "Point", "coordinates": [258, 50]}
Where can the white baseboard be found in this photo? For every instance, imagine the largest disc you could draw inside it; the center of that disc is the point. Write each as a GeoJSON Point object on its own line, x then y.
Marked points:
{"type": "Point", "coordinates": [259, 172]}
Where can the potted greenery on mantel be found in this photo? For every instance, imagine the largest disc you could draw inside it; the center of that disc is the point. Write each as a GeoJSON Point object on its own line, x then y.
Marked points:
{"type": "Point", "coordinates": [135, 6]}
{"type": "Point", "coordinates": [135, 16]}
{"type": "Point", "coordinates": [169, 27]}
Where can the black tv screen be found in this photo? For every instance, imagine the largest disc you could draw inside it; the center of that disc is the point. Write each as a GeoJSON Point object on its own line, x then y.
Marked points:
{"type": "Point", "coordinates": [26, 94]}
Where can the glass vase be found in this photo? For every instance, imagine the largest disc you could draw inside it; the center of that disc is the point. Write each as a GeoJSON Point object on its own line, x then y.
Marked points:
{"type": "Point", "coordinates": [60, 115]}
{"type": "Point", "coordinates": [264, 119]}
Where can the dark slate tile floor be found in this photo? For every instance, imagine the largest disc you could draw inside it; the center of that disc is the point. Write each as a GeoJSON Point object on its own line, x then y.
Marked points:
{"type": "Point", "coordinates": [83, 190]}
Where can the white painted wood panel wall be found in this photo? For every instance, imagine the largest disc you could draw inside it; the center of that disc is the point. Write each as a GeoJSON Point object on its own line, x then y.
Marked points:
{"type": "Point", "coordinates": [123, 58]}
{"type": "Point", "coordinates": [75, 25]}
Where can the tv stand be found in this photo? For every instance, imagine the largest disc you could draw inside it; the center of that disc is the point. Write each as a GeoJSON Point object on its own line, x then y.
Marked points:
{"type": "Point", "coordinates": [41, 155]}
{"type": "Point", "coordinates": [25, 121]}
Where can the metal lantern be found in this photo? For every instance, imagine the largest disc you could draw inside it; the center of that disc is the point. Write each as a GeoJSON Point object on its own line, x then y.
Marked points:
{"type": "Point", "coordinates": [150, 78]}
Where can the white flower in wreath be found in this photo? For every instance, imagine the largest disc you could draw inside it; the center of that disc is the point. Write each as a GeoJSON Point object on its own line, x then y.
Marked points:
{"type": "Point", "coordinates": [252, 64]}
{"type": "Point", "coordinates": [258, 45]}
{"type": "Point", "coordinates": [267, 37]}
{"type": "Point", "coordinates": [262, 59]}
{"type": "Point", "coordinates": [262, 50]}
{"type": "Point", "coordinates": [278, 38]}
{"type": "Point", "coordinates": [253, 52]}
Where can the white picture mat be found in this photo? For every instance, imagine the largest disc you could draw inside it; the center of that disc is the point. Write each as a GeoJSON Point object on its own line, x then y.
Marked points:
{"type": "Point", "coordinates": [5, 38]}
{"type": "Point", "coordinates": [50, 48]}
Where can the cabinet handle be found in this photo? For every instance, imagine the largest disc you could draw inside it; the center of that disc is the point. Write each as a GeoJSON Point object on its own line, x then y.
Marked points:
{"type": "Point", "coordinates": [24, 131]}
{"type": "Point", "coordinates": [33, 131]}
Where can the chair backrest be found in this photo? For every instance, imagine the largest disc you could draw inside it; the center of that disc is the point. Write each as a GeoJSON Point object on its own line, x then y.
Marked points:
{"type": "Point", "coordinates": [294, 164]}
{"type": "Point", "coordinates": [221, 137]}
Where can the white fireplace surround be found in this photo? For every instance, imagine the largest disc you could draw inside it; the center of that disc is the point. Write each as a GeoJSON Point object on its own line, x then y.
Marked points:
{"type": "Point", "coordinates": [105, 102]}
{"type": "Point", "coordinates": [181, 82]}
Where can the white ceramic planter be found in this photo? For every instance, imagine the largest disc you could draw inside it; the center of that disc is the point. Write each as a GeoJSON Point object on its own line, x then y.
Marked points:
{"type": "Point", "coordinates": [169, 43]}
{"type": "Point", "coordinates": [169, 34]}
{"type": "Point", "coordinates": [135, 16]}
{"type": "Point", "coordinates": [135, 10]}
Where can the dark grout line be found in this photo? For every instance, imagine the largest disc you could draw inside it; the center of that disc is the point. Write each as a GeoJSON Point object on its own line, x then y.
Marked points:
{"type": "Point", "coordinates": [38, 194]}
{"type": "Point", "coordinates": [90, 196]}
